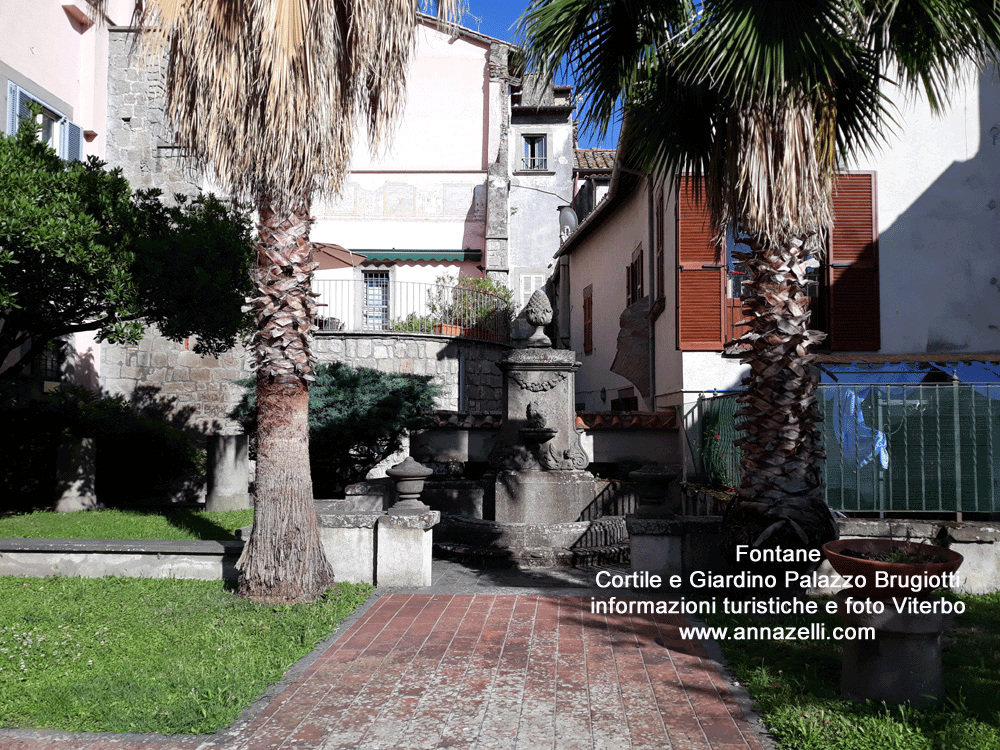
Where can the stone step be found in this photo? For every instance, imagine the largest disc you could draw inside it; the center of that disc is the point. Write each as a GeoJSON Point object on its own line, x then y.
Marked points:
{"type": "Point", "coordinates": [533, 557]}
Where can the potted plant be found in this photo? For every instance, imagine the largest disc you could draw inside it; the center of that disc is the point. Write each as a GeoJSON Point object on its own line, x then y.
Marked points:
{"type": "Point", "coordinates": [910, 568]}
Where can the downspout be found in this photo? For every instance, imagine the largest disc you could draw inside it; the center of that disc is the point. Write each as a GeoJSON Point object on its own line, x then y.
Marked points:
{"type": "Point", "coordinates": [651, 234]}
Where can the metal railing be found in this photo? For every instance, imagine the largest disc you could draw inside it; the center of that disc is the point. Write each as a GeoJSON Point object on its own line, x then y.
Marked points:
{"type": "Point", "coordinates": [891, 448]}
{"type": "Point", "coordinates": [375, 303]}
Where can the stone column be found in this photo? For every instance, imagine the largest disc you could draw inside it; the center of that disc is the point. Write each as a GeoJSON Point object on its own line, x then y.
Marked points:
{"type": "Point", "coordinates": [75, 471]}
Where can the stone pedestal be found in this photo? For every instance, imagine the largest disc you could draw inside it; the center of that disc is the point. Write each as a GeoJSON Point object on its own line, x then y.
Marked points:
{"type": "Point", "coordinates": [228, 473]}
{"type": "Point", "coordinates": [542, 497]}
{"type": "Point", "coordinates": [349, 542]}
{"type": "Point", "coordinates": [541, 477]}
{"type": "Point", "coordinates": [674, 546]}
{"type": "Point", "coordinates": [405, 546]}
{"type": "Point", "coordinates": [75, 472]}
{"type": "Point", "coordinates": [902, 664]}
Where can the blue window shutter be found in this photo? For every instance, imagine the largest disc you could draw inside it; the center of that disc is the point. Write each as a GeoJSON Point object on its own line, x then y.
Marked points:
{"type": "Point", "coordinates": [17, 106]}
{"type": "Point", "coordinates": [71, 137]}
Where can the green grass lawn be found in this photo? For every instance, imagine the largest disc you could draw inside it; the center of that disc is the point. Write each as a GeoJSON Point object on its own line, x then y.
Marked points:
{"type": "Point", "coordinates": [797, 688]}
{"type": "Point", "coordinates": [125, 524]}
{"type": "Point", "coordinates": [147, 655]}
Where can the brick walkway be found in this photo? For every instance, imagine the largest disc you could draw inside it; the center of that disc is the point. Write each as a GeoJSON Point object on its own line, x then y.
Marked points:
{"type": "Point", "coordinates": [520, 663]}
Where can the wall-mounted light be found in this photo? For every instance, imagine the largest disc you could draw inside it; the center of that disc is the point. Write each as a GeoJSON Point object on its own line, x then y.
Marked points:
{"type": "Point", "coordinates": [604, 395]}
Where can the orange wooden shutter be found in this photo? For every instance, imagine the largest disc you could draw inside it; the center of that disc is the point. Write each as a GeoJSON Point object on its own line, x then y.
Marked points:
{"type": "Point", "coordinates": [701, 279]}
{"type": "Point", "coordinates": [852, 266]}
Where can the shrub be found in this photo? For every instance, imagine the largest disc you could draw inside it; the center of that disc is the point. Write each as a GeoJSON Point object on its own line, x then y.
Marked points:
{"type": "Point", "coordinates": [472, 302]}
{"type": "Point", "coordinates": [357, 417]}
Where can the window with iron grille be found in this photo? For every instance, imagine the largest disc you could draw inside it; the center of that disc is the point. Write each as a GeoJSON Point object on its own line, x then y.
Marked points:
{"type": "Point", "coordinates": [375, 311]}
{"type": "Point", "coordinates": [535, 153]}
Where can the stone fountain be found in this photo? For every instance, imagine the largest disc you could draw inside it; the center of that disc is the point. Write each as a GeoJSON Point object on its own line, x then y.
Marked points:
{"type": "Point", "coordinates": [541, 466]}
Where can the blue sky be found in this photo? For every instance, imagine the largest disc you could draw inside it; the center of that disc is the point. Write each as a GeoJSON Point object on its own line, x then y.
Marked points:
{"type": "Point", "coordinates": [497, 18]}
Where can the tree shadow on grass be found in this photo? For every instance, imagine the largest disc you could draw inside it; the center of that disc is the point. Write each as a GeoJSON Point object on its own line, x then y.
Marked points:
{"type": "Point", "coordinates": [203, 528]}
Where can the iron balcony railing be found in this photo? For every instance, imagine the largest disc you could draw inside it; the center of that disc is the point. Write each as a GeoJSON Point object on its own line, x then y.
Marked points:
{"type": "Point", "coordinates": [891, 448]}
{"type": "Point", "coordinates": [375, 303]}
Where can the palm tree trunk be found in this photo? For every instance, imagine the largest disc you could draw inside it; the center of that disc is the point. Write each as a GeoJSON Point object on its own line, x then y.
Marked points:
{"type": "Point", "coordinates": [284, 561]}
{"type": "Point", "coordinates": [780, 499]}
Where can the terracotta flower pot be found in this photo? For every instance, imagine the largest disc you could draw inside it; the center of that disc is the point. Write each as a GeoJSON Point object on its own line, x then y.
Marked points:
{"type": "Point", "coordinates": [447, 329]}
{"type": "Point", "coordinates": [938, 561]}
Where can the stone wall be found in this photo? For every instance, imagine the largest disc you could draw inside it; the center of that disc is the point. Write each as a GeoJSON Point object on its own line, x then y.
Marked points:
{"type": "Point", "coordinates": [465, 368]}
{"type": "Point", "coordinates": [139, 141]}
{"type": "Point", "coordinates": [203, 391]}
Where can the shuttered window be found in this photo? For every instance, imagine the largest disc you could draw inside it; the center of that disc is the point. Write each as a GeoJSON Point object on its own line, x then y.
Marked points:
{"type": "Point", "coordinates": [588, 319]}
{"type": "Point", "coordinates": [849, 292]}
{"type": "Point", "coordinates": [65, 137]}
{"type": "Point", "coordinates": [701, 277]}
{"type": "Point", "coordinates": [633, 278]}
{"type": "Point", "coordinates": [852, 297]}
{"type": "Point", "coordinates": [530, 283]}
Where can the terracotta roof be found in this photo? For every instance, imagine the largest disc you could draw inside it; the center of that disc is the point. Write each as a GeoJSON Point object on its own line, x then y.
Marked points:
{"type": "Point", "coordinates": [594, 159]}
{"type": "Point", "coordinates": [636, 420]}
{"type": "Point", "coordinates": [661, 420]}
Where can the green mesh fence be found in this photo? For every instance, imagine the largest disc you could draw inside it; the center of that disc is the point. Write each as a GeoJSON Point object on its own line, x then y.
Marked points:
{"type": "Point", "coordinates": [712, 430]}
{"type": "Point", "coordinates": [914, 448]}
{"type": "Point", "coordinates": [891, 448]}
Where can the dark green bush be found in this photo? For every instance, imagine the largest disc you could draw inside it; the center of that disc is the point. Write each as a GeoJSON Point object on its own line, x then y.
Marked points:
{"type": "Point", "coordinates": [357, 417]}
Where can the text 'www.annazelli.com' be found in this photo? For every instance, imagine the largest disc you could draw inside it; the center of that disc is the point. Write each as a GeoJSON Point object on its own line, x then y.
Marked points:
{"type": "Point", "coordinates": [816, 631]}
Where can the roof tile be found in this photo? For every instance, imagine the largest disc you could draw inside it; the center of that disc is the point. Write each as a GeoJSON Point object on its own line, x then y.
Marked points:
{"type": "Point", "coordinates": [594, 159]}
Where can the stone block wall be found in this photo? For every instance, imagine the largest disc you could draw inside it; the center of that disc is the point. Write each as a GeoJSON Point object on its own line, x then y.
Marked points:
{"type": "Point", "coordinates": [202, 389]}
{"type": "Point", "coordinates": [139, 140]}
{"type": "Point", "coordinates": [465, 368]}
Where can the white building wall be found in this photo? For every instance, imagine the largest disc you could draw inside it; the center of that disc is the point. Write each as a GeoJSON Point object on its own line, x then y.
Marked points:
{"type": "Point", "coordinates": [600, 260]}
{"type": "Point", "coordinates": [939, 225]}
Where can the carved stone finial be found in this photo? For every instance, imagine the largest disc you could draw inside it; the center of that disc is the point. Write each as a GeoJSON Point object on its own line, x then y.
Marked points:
{"type": "Point", "coordinates": [538, 312]}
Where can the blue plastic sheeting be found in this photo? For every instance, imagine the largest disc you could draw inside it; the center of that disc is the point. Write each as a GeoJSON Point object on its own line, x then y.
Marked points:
{"type": "Point", "coordinates": [859, 442]}
{"type": "Point", "coordinates": [862, 444]}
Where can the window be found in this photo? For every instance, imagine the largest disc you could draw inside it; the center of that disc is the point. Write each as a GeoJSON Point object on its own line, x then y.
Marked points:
{"type": "Point", "coordinates": [57, 131]}
{"type": "Point", "coordinates": [534, 153]}
{"type": "Point", "coordinates": [375, 311]}
{"type": "Point", "coordinates": [633, 278]}
{"type": "Point", "coordinates": [588, 319]}
{"type": "Point", "coordinates": [844, 301]}
{"type": "Point", "coordinates": [530, 283]}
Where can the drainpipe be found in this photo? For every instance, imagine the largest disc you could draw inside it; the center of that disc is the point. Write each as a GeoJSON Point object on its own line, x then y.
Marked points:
{"type": "Point", "coordinates": [651, 343]}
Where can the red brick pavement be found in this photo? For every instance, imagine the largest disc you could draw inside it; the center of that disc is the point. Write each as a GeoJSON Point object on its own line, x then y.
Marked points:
{"type": "Point", "coordinates": [478, 672]}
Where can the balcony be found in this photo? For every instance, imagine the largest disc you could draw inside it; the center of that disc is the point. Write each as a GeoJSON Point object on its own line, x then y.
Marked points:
{"type": "Point", "coordinates": [375, 303]}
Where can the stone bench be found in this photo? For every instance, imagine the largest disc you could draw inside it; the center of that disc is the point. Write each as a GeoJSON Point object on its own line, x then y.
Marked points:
{"type": "Point", "coordinates": [131, 558]}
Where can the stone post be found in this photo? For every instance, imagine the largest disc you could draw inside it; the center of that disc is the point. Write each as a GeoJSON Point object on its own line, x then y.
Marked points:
{"type": "Point", "coordinates": [228, 472]}
{"type": "Point", "coordinates": [75, 472]}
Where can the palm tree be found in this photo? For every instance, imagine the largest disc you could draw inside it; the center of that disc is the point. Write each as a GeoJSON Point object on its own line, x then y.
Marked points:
{"type": "Point", "coordinates": [267, 95]}
{"type": "Point", "coordinates": [760, 102]}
